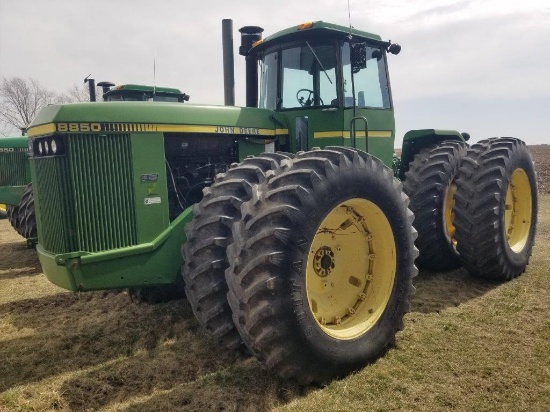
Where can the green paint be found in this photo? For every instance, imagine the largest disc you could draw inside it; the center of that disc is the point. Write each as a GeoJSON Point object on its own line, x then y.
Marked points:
{"type": "Point", "coordinates": [151, 197]}
{"type": "Point", "coordinates": [15, 171]}
{"type": "Point", "coordinates": [155, 263]}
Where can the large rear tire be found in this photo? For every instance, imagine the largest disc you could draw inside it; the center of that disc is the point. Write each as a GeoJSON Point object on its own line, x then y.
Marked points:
{"type": "Point", "coordinates": [22, 217]}
{"type": "Point", "coordinates": [430, 185]}
{"type": "Point", "coordinates": [496, 209]}
{"type": "Point", "coordinates": [27, 217]}
{"type": "Point", "coordinates": [321, 265]}
{"type": "Point", "coordinates": [208, 235]}
{"type": "Point", "coordinates": [12, 213]}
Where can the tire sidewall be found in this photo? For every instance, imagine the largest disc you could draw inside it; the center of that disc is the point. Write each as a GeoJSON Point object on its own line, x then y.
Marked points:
{"type": "Point", "coordinates": [352, 183]}
{"type": "Point", "coordinates": [519, 159]}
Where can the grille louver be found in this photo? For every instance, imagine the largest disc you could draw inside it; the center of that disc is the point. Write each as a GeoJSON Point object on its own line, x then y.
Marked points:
{"type": "Point", "coordinates": [86, 198]}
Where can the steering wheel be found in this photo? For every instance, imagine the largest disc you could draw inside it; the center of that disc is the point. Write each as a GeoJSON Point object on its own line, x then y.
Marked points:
{"type": "Point", "coordinates": [308, 99]}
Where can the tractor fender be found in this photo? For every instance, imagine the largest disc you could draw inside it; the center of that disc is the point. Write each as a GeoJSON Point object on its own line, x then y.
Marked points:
{"type": "Point", "coordinates": [415, 140]}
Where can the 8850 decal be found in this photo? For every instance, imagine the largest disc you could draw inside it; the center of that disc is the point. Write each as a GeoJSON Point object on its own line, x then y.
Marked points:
{"type": "Point", "coordinates": [78, 127]}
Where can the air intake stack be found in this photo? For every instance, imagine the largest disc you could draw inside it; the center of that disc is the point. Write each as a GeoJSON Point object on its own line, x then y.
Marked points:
{"type": "Point", "coordinates": [250, 35]}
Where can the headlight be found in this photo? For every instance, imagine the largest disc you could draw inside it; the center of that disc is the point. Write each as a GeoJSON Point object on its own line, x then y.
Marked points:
{"type": "Point", "coordinates": [41, 148]}
{"type": "Point", "coordinates": [46, 148]}
{"type": "Point", "coordinates": [53, 146]}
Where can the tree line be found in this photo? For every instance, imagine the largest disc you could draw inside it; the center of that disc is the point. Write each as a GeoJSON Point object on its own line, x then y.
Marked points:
{"type": "Point", "coordinates": [22, 98]}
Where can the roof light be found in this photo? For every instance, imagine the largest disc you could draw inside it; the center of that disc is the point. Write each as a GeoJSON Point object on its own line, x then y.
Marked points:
{"type": "Point", "coordinates": [304, 26]}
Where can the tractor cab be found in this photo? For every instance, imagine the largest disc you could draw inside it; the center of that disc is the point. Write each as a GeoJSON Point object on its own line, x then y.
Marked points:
{"type": "Point", "coordinates": [139, 93]}
{"type": "Point", "coordinates": [329, 85]}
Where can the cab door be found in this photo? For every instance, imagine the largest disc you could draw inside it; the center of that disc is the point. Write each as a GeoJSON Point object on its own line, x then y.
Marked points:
{"type": "Point", "coordinates": [368, 119]}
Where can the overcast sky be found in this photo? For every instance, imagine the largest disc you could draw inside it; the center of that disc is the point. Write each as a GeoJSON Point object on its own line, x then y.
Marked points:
{"type": "Point", "coordinates": [481, 66]}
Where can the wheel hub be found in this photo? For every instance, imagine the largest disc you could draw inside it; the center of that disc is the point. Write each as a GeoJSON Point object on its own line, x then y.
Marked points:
{"type": "Point", "coordinates": [323, 262]}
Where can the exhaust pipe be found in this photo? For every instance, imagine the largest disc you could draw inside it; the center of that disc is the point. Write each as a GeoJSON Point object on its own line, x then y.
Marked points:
{"type": "Point", "coordinates": [91, 87]}
{"type": "Point", "coordinates": [249, 35]}
{"type": "Point", "coordinates": [228, 63]}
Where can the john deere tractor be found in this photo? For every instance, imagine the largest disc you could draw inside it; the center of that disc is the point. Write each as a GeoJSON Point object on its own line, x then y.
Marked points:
{"type": "Point", "coordinates": [291, 232]}
{"type": "Point", "coordinates": [16, 194]}
{"type": "Point", "coordinates": [15, 189]}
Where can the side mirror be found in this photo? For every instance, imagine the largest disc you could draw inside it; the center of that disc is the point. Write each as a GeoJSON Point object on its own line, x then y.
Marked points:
{"type": "Point", "coordinates": [358, 57]}
{"type": "Point", "coordinates": [394, 48]}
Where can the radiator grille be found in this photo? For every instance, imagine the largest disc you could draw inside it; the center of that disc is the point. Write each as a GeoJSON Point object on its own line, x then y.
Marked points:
{"type": "Point", "coordinates": [13, 168]}
{"type": "Point", "coordinates": [86, 198]}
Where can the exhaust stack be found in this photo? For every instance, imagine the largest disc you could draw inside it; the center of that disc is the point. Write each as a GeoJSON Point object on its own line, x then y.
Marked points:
{"type": "Point", "coordinates": [91, 87]}
{"type": "Point", "coordinates": [228, 63]}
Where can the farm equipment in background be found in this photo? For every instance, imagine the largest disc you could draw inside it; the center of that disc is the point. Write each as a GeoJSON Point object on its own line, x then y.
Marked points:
{"type": "Point", "coordinates": [15, 178]}
{"type": "Point", "coordinates": [283, 218]}
{"type": "Point", "coordinates": [15, 186]}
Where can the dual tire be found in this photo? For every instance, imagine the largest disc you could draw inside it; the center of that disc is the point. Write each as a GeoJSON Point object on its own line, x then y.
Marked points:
{"type": "Point", "coordinates": [496, 206]}
{"type": "Point", "coordinates": [474, 207]}
{"type": "Point", "coordinates": [312, 271]}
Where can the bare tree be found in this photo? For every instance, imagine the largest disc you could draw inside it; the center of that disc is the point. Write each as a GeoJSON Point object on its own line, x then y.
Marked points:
{"type": "Point", "coordinates": [21, 99]}
{"type": "Point", "coordinates": [77, 94]}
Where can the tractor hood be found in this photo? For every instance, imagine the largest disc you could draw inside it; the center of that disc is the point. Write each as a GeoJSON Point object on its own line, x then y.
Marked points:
{"type": "Point", "coordinates": [13, 142]}
{"type": "Point", "coordinates": [149, 117]}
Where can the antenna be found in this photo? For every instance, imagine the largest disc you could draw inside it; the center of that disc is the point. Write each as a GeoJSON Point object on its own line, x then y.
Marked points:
{"type": "Point", "coordinates": [349, 18]}
{"type": "Point", "coordinates": [154, 74]}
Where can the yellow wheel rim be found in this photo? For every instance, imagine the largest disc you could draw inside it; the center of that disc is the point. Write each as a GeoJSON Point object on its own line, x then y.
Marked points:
{"type": "Point", "coordinates": [448, 215]}
{"type": "Point", "coordinates": [518, 210]}
{"type": "Point", "coordinates": [351, 269]}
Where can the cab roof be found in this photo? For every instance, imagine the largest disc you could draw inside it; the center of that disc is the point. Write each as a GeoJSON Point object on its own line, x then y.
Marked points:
{"type": "Point", "coordinates": [318, 29]}
{"type": "Point", "coordinates": [143, 88]}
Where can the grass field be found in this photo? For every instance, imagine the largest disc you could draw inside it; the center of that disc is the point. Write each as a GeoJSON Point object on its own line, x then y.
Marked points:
{"type": "Point", "coordinates": [468, 345]}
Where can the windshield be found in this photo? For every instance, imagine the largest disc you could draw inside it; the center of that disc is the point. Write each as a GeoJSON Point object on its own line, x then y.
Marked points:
{"type": "Point", "coordinates": [308, 77]}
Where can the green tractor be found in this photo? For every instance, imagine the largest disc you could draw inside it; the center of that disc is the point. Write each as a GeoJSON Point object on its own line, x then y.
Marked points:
{"type": "Point", "coordinates": [291, 232]}
{"type": "Point", "coordinates": [15, 188]}
{"type": "Point", "coordinates": [16, 194]}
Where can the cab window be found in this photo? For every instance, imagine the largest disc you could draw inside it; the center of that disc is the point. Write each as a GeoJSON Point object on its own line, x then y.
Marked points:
{"type": "Point", "coordinates": [368, 66]}
{"type": "Point", "coordinates": [308, 76]}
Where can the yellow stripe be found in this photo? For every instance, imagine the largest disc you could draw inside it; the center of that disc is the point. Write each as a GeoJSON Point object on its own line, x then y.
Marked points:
{"type": "Point", "coordinates": [322, 135]}
{"type": "Point", "coordinates": [346, 134]}
{"type": "Point", "coordinates": [42, 129]}
{"type": "Point", "coordinates": [172, 128]}
{"type": "Point", "coordinates": [164, 128]}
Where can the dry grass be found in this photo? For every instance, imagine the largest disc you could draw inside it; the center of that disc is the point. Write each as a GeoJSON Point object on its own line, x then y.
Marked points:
{"type": "Point", "coordinates": [468, 345]}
